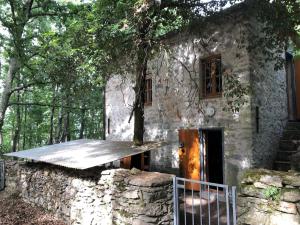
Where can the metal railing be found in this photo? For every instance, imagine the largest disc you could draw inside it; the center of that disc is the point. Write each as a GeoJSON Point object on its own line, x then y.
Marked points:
{"type": "Point", "coordinates": [203, 203]}
{"type": "Point", "coordinates": [2, 175]}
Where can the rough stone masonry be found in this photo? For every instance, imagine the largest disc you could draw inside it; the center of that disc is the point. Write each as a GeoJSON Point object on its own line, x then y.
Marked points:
{"type": "Point", "coordinates": [269, 198]}
{"type": "Point", "coordinates": [94, 196]}
{"type": "Point", "coordinates": [250, 136]}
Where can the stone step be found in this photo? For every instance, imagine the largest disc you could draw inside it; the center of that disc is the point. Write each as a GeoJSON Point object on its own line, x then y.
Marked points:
{"type": "Point", "coordinates": [291, 135]}
{"type": "Point", "coordinates": [293, 125]}
{"type": "Point", "coordinates": [284, 155]}
{"type": "Point", "coordinates": [282, 165]}
{"type": "Point", "coordinates": [288, 145]}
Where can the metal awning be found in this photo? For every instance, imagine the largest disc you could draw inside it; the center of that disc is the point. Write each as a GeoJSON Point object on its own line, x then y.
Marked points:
{"type": "Point", "coordinates": [84, 153]}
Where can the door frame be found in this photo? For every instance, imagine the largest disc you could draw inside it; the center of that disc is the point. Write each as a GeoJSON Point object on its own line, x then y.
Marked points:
{"type": "Point", "coordinates": [291, 83]}
{"type": "Point", "coordinates": [200, 130]}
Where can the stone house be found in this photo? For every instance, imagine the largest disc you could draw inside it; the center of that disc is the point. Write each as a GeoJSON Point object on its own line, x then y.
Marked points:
{"type": "Point", "coordinates": [186, 97]}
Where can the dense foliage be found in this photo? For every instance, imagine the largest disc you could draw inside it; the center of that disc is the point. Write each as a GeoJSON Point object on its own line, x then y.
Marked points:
{"type": "Point", "coordinates": [54, 93]}
{"type": "Point", "coordinates": [57, 56]}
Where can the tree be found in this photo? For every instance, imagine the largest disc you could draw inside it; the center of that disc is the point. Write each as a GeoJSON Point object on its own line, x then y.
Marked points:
{"type": "Point", "coordinates": [56, 93]}
{"type": "Point", "coordinates": [132, 29]}
{"type": "Point", "coordinates": [21, 20]}
{"type": "Point", "coordinates": [136, 27]}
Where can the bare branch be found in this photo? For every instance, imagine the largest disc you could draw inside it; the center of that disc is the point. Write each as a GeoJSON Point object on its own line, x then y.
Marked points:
{"type": "Point", "coordinates": [12, 8]}
{"type": "Point", "coordinates": [51, 14]}
{"type": "Point", "coordinates": [132, 111]}
{"type": "Point", "coordinates": [22, 87]}
{"type": "Point", "coordinates": [28, 8]}
{"type": "Point", "coordinates": [46, 105]}
{"type": "Point", "coordinates": [27, 86]}
{"type": "Point", "coordinates": [35, 15]}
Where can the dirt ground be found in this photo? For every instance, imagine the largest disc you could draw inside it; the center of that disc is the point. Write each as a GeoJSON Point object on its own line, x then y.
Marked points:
{"type": "Point", "coordinates": [13, 211]}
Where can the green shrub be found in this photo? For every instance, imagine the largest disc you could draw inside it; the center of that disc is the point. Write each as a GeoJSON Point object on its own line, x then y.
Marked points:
{"type": "Point", "coordinates": [272, 193]}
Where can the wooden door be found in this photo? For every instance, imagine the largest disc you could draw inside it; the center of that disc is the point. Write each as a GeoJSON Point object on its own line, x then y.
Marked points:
{"type": "Point", "coordinates": [189, 156]}
{"type": "Point", "coordinates": [126, 163]}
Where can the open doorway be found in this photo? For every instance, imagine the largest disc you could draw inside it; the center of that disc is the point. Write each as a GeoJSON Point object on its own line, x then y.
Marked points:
{"type": "Point", "coordinates": [140, 161]}
{"type": "Point", "coordinates": [212, 149]}
{"type": "Point", "coordinates": [292, 80]}
{"type": "Point", "coordinates": [201, 155]}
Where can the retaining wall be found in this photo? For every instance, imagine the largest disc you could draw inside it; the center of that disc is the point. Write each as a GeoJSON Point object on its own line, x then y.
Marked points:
{"type": "Point", "coordinates": [269, 198]}
{"type": "Point", "coordinates": [94, 196]}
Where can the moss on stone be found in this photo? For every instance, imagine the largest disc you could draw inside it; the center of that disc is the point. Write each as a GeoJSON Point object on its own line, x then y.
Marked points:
{"type": "Point", "coordinates": [250, 190]}
{"type": "Point", "coordinates": [290, 194]}
{"type": "Point", "coordinates": [250, 176]}
{"type": "Point", "coordinates": [124, 213]}
{"type": "Point", "coordinates": [285, 189]}
{"type": "Point", "coordinates": [269, 207]}
{"type": "Point", "coordinates": [121, 186]}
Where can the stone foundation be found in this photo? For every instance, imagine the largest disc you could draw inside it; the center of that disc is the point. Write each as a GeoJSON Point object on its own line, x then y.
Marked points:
{"type": "Point", "coordinates": [94, 196]}
{"type": "Point", "coordinates": [269, 198]}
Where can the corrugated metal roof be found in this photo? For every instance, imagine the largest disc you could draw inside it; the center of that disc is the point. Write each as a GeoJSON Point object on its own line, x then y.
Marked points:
{"type": "Point", "coordinates": [84, 153]}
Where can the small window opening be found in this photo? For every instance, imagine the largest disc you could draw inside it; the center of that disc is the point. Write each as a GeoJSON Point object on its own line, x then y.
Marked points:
{"type": "Point", "coordinates": [148, 92]}
{"type": "Point", "coordinates": [140, 161]}
{"type": "Point", "coordinates": [212, 76]}
{"type": "Point", "coordinates": [108, 125]}
{"type": "Point", "coordinates": [257, 118]}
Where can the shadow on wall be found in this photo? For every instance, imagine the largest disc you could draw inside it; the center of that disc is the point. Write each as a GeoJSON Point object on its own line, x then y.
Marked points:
{"type": "Point", "coordinates": [232, 174]}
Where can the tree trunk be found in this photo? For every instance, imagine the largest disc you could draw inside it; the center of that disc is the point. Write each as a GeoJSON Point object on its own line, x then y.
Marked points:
{"type": "Point", "coordinates": [67, 127]}
{"type": "Point", "coordinates": [82, 123]}
{"type": "Point", "coordinates": [16, 136]}
{"type": "Point", "coordinates": [103, 115]}
{"type": "Point", "coordinates": [25, 127]}
{"type": "Point", "coordinates": [30, 138]}
{"type": "Point", "coordinates": [6, 93]}
{"type": "Point", "coordinates": [50, 141]}
{"type": "Point", "coordinates": [141, 70]}
{"type": "Point", "coordinates": [66, 136]}
{"type": "Point", "coordinates": [59, 124]}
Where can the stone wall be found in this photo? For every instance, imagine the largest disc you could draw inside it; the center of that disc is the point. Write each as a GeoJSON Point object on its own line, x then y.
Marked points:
{"type": "Point", "coordinates": [94, 196]}
{"type": "Point", "coordinates": [269, 88]}
{"type": "Point", "coordinates": [269, 198]}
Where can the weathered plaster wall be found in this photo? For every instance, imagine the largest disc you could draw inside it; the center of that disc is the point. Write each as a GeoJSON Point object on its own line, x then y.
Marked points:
{"type": "Point", "coordinates": [94, 196]}
{"type": "Point", "coordinates": [269, 198]}
{"type": "Point", "coordinates": [119, 100]}
{"type": "Point", "coordinates": [176, 76]}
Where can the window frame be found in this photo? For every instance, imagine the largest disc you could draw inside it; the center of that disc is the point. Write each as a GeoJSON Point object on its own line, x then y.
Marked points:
{"type": "Point", "coordinates": [148, 91]}
{"type": "Point", "coordinates": [213, 76]}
